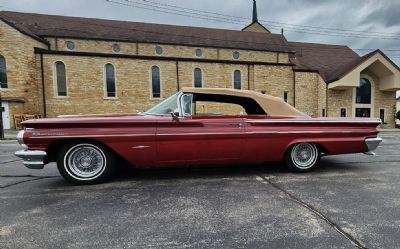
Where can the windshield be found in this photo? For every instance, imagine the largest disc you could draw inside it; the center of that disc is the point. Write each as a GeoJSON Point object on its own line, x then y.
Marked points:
{"type": "Point", "coordinates": [165, 107]}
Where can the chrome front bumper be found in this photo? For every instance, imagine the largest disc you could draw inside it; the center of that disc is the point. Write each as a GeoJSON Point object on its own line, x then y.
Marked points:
{"type": "Point", "coordinates": [372, 144]}
{"type": "Point", "coordinates": [33, 159]}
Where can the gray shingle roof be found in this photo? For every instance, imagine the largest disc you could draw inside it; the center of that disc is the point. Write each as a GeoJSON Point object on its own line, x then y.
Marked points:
{"type": "Point", "coordinates": [40, 26]}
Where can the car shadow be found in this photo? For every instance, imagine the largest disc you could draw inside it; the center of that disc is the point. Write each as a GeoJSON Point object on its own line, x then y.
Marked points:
{"type": "Point", "coordinates": [327, 166]}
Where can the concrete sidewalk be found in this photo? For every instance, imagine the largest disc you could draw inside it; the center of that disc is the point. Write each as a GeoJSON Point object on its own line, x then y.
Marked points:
{"type": "Point", "coordinates": [10, 134]}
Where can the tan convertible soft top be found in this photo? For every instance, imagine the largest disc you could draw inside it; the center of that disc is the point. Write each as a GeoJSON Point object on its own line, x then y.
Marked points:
{"type": "Point", "coordinates": [271, 105]}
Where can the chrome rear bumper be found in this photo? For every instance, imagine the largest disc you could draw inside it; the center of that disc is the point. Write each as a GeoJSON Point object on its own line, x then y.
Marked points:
{"type": "Point", "coordinates": [33, 159]}
{"type": "Point", "coordinates": [372, 144]}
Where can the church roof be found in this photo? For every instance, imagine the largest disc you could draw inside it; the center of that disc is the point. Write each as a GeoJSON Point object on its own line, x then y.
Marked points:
{"type": "Point", "coordinates": [332, 62]}
{"type": "Point", "coordinates": [322, 58]}
{"type": "Point", "coordinates": [40, 26]}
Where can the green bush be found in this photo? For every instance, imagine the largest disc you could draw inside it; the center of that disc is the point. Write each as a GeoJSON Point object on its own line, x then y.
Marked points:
{"type": "Point", "coordinates": [398, 115]}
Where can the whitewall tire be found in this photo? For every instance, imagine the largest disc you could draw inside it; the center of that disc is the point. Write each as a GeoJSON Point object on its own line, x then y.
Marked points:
{"type": "Point", "coordinates": [86, 163]}
{"type": "Point", "coordinates": [302, 157]}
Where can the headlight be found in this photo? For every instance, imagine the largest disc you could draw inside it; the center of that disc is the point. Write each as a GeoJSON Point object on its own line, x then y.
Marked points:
{"type": "Point", "coordinates": [20, 137]}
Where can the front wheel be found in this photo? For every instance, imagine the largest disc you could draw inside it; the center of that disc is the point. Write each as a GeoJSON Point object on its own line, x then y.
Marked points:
{"type": "Point", "coordinates": [86, 163]}
{"type": "Point", "coordinates": [302, 157]}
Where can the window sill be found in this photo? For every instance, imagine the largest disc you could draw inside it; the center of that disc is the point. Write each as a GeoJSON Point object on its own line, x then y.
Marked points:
{"type": "Point", "coordinates": [61, 97]}
{"type": "Point", "coordinates": [110, 98]}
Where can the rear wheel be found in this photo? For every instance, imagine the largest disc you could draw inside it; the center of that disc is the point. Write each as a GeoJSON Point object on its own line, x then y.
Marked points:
{"type": "Point", "coordinates": [302, 157]}
{"type": "Point", "coordinates": [86, 163]}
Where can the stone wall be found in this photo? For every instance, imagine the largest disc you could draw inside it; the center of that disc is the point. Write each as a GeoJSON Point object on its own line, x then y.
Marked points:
{"type": "Point", "coordinates": [85, 81]}
{"type": "Point", "coordinates": [18, 51]}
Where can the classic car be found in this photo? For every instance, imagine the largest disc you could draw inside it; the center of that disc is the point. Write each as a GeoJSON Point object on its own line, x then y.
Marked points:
{"type": "Point", "coordinates": [195, 126]}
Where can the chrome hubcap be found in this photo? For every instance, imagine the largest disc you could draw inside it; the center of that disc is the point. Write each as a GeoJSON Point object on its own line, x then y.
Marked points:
{"type": "Point", "coordinates": [85, 161]}
{"type": "Point", "coordinates": [304, 155]}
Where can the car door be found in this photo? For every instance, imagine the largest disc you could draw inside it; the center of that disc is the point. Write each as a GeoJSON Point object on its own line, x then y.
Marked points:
{"type": "Point", "coordinates": [200, 140]}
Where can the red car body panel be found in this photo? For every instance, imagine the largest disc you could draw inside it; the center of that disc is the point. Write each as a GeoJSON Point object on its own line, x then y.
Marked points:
{"type": "Point", "coordinates": [160, 141]}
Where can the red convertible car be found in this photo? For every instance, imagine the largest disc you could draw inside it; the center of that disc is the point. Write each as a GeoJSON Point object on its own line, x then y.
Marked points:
{"type": "Point", "coordinates": [193, 127]}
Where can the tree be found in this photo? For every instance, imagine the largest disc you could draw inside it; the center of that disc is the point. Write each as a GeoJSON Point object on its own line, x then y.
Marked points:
{"type": "Point", "coordinates": [398, 115]}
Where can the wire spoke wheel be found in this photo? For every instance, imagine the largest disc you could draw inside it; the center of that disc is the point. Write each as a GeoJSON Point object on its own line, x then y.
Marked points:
{"type": "Point", "coordinates": [85, 163]}
{"type": "Point", "coordinates": [302, 157]}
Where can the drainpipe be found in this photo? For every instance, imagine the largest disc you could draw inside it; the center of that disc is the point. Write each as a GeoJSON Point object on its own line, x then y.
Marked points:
{"type": "Point", "coordinates": [1, 119]}
{"type": "Point", "coordinates": [177, 77]}
{"type": "Point", "coordinates": [294, 88]}
{"type": "Point", "coordinates": [43, 86]}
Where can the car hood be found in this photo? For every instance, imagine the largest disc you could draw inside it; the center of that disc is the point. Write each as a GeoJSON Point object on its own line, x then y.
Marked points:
{"type": "Point", "coordinates": [86, 121]}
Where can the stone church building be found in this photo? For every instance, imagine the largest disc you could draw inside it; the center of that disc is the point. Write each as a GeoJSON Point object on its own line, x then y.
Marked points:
{"type": "Point", "coordinates": [58, 65]}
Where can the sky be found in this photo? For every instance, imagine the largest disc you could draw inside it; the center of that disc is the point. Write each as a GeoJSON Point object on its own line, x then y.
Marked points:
{"type": "Point", "coordinates": [360, 24]}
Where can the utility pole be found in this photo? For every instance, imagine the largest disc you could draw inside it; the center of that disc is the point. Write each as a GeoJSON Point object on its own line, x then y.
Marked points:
{"type": "Point", "coordinates": [1, 119]}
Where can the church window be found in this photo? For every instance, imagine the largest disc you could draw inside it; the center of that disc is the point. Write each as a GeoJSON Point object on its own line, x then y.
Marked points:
{"type": "Point", "coordinates": [110, 80]}
{"type": "Point", "coordinates": [3, 72]}
{"type": "Point", "coordinates": [198, 78]}
{"type": "Point", "coordinates": [61, 79]}
{"type": "Point", "coordinates": [155, 82]}
{"type": "Point", "coordinates": [70, 45]}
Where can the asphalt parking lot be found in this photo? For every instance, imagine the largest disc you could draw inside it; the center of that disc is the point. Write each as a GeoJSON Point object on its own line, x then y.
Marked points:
{"type": "Point", "coordinates": [350, 201]}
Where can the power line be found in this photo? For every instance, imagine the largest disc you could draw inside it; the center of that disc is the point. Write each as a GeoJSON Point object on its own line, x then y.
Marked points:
{"type": "Point", "coordinates": [168, 10]}
{"type": "Point", "coordinates": [268, 21]}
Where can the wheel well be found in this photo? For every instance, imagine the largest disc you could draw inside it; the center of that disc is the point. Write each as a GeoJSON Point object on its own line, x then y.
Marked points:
{"type": "Point", "coordinates": [320, 147]}
{"type": "Point", "coordinates": [55, 147]}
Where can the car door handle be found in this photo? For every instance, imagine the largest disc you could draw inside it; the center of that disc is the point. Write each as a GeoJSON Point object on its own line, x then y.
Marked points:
{"type": "Point", "coordinates": [240, 125]}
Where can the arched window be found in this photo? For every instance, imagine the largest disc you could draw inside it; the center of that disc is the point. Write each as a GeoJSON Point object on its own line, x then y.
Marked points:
{"type": "Point", "coordinates": [61, 79]}
{"type": "Point", "coordinates": [110, 80]}
{"type": "Point", "coordinates": [155, 82]}
{"type": "Point", "coordinates": [237, 79]}
{"type": "Point", "coordinates": [3, 72]}
{"type": "Point", "coordinates": [363, 92]}
{"type": "Point", "coordinates": [198, 78]}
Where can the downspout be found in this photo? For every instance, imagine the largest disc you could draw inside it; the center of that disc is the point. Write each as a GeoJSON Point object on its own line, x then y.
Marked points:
{"type": "Point", "coordinates": [294, 88]}
{"type": "Point", "coordinates": [178, 87]}
{"type": "Point", "coordinates": [326, 101]}
{"type": "Point", "coordinates": [248, 76]}
{"type": "Point", "coordinates": [43, 86]}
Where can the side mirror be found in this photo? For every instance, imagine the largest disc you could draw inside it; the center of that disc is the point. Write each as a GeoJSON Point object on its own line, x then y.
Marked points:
{"type": "Point", "coordinates": [175, 115]}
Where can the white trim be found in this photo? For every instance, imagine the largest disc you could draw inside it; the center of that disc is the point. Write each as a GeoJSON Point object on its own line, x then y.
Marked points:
{"type": "Point", "coordinates": [151, 82]}
{"type": "Point", "coordinates": [105, 82]}
{"type": "Point", "coordinates": [55, 82]}
{"type": "Point", "coordinates": [370, 106]}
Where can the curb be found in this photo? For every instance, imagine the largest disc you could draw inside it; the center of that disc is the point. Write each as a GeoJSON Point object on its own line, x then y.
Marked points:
{"type": "Point", "coordinates": [8, 141]}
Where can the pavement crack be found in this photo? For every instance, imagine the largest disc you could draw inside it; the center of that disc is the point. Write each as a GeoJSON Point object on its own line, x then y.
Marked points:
{"type": "Point", "coordinates": [313, 209]}
{"type": "Point", "coordinates": [28, 180]}
{"type": "Point", "coordinates": [11, 161]}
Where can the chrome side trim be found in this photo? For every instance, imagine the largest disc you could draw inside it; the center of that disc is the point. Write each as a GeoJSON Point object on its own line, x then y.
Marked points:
{"type": "Point", "coordinates": [33, 159]}
{"type": "Point", "coordinates": [310, 121]}
{"type": "Point", "coordinates": [141, 147]}
{"type": "Point", "coordinates": [373, 143]}
{"type": "Point", "coordinates": [207, 133]}
{"type": "Point", "coordinates": [97, 135]}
